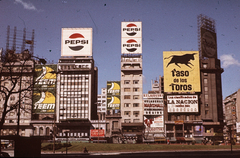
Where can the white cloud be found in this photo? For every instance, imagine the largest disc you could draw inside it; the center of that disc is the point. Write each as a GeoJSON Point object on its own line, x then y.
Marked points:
{"type": "Point", "coordinates": [26, 5]}
{"type": "Point", "coordinates": [228, 60]}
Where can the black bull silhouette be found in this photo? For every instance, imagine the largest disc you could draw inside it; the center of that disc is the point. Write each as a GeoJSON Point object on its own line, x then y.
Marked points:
{"type": "Point", "coordinates": [181, 59]}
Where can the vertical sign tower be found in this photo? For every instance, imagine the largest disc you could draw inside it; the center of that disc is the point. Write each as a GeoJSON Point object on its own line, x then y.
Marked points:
{"type": "Point", "coordinates": [131, 81]}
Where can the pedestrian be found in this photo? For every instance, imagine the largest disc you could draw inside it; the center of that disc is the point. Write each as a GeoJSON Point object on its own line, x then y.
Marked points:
{"type": "Point", "coordinates": [85, 150]}
{"type": "Point", "coordinates": [168, 142]}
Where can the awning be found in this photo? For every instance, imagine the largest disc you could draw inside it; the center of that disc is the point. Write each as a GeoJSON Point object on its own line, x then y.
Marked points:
{"type": "Point", "coordinates": [159, 139]}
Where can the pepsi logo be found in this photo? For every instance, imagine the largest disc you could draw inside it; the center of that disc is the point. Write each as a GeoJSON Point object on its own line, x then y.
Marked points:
{"type": "Point", "coordinates": [131, 29]}
{"type": "Point", "coordinates": [131, 45]}
{"type": "Point", "coordinates": [76, 42]}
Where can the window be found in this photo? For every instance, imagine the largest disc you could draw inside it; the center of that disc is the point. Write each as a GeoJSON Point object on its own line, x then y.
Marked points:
{"type": "Point", "coordinates": [205, 89]}
{"type": "Point", "coordinates": [206, 96]}
{"type": "Point", "coordinates": [187, 117]}
{"type": "Point", "coordinates": [127, 121]}
{"type": "Point", "coordinates": [205, 65]}
{"type": "Point", "coordinates": [135, 81]}
{"type": "Point", "coordinates": [136, 113]}
{"type": "Point", "coordinates": [206, 104]}
{"type": "Point", "coordinates": [205, 74]}
{"type": "Point", "coordinates": [205, 80]}
{"type": "Point", "coordinates": [206, 112]}
{"type": "Point", "coordinates": [126, 89]}
{"type": "Point", "coordinates": [127, 112]}
{"type": "Point", "coordinates": [136, 120]}
{"type": "Point", "coordinates": [126, 82]}
{"type": "Point", "coordinates": [136, 97]}
{"type": "Point", "coordinates": [135, 104]}
{"type": "Point", "coordinates": [126, 96]}
{"type": "Point", "coordinates": [135, 89]}
{"type": "Point", "coordinates": [126, 105]}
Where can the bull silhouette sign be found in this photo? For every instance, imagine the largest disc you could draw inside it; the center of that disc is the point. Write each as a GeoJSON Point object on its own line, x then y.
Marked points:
{"type": "Point", "coordinates": [181, 59]}
{"type": "Point", "coordinates": [181, 71]}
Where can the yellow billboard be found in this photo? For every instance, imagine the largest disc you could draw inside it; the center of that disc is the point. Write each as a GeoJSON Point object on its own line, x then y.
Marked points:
{"type": "Point", "coordinates": [181, 71]}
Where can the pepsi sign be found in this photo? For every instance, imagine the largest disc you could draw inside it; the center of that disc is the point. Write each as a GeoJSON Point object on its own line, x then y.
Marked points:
{"type": "Point", "coordinates": [132, 29]}
{"type": "Point", "coordinates": [131, 37]}
{"type": "Point", "coordinates": [131, 46]}
{"type": "Point", "coordinates": [76, 42]}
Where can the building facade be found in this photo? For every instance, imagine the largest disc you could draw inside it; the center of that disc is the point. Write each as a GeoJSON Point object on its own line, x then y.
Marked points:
{"type": "Point", "coordinates": [76, 102]}
{"type": "Point", "coordinates": [232, 113]}
{"type": "Point", "coordinates": [17, 71]}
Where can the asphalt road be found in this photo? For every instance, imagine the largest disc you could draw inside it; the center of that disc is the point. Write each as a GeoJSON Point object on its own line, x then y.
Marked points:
{"type": "Point", "coordinates": [172, 154]}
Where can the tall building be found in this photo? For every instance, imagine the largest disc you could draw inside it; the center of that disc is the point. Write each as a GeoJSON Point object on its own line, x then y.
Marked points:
{"type": "Point", "coordinates": [211, 81]}
{"type": "Point", "coordinates": [77, 76]}
{"type": "Point", "coordinates": [193, 90]}
{"type": "Point", "coordinates": [131, 82]}
{"type": "Point", "coordinates": [77, 96]}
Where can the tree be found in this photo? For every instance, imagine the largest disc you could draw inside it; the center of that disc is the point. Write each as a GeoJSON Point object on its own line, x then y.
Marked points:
{"type": "Point", "coordinates": [16, 86]}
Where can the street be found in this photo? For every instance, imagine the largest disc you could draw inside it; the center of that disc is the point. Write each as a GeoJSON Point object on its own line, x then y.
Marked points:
{"type": "Point", "coordinates": [168, 154]}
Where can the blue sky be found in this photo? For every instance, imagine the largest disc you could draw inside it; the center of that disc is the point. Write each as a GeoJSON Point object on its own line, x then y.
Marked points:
{"type": "Point", "coordinates": [166, 25]}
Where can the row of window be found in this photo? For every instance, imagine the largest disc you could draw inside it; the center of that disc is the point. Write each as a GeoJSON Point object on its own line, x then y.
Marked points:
{"type": "Point", "coordinates": [129, 105]}
{"type": "Point", "coordinates": [153, 101]}
{"type": "Point", "coordinates": [153, 112]}
{"type": "Point", "coordinates": [129, 97]}
{"type": "Point", "coordinates": [129, 82]}
{"type": "Point", "coordinates": [69, 67]}
{"type": "Point", "coordinates": [129, 120]}
{"type": "Point", "coordinates": [136, 113]}
{"type": "Point", "coordinates": [129, 90]}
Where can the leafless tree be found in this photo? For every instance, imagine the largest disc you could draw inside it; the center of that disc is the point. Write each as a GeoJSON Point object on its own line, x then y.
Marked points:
{"type": "Point", "coordinates": [16, 86]}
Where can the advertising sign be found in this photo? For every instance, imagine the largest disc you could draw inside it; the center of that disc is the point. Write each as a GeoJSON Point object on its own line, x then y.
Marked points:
{"type": "Point", "coordinates": [181, 71]}
{"type": "Point", "coordinates": [182, 103]}
{"type": "Point", "coordinates": [113, 88]}
{"type": "Point", "coordinates": [131, 37]}
{"type": "Point", "coordinates": [97, 132]}
{"type": "Point", "coordinates": [113, 102]}
{"type": "Point", "coordinates": [238, 127]}
{"type": "Point", "coordinates": [132, 29]}
{"type": "Point", "coordinates": [154, 123]}
{"type": "Point", "coordinates": [113, 95]}
{"type": "Point", "coordinates": [44, 89]}
{"type": "Point", "coordinates": [208, 43]}
{"type": "Point", "coordinates": [155, 96]}
{"type": "Point", "coordinates": [131, 46]}
{"type": "Point", "coordinates": [76, 42]}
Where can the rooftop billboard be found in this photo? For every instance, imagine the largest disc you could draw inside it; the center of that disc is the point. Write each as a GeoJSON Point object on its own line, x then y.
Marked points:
{"type": "Point", "coordinates": [131, 33]}
{"type": "Point", "coordinates": [181, 71]}
{"type": "Point", "coordinates": [208, 43]}
{"type": "Point", "coordinates": [76, 42]}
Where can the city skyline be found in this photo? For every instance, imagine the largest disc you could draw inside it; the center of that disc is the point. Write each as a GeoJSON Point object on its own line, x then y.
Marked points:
{"type": "Point", "coordinates": [167, 26]}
